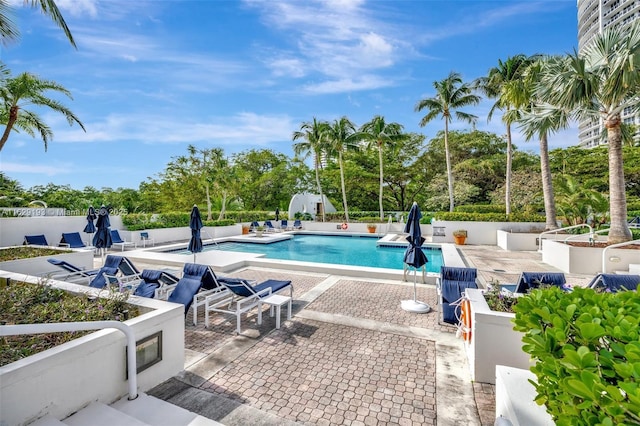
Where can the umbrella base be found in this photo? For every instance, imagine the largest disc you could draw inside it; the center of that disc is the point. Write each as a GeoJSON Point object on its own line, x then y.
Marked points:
{"type": "Point", "coordinates": [415, 306]}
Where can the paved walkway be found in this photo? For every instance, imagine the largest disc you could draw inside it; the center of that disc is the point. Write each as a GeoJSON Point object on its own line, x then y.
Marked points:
{"type": "Point", "coordinates": [350, 355]}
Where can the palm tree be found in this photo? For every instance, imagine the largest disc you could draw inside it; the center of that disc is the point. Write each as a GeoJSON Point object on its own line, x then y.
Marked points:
{"type": "Point", "coordinates": [341, 136]}
{"type": "Point", "coordinates": [504, 84]}
{"type": "Point", "coordinates": [451, 94]}
{"type": "Point", "coordinates": [313, 142]}
{"type": "Point", "coordinates": [379, 133]}
{"type": "Point", "coordinates": [540, 121]}
{"type": "Point", "coordinates": [27, 89]}
{"type": "Point", "coordinates": [10, 33]}
{"type": "Point", "coordinates": [601, 82]}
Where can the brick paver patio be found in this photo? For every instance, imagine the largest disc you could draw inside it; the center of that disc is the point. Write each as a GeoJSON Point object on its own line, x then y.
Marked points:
{"type": "Point", "coordinates": [318, 373]}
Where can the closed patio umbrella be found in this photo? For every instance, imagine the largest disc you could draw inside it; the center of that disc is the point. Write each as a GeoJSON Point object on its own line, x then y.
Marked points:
{"type": "Point", "coordinates": [195, 223]}
{"type": "Point", "coordinates": [91, 216]}
{"type": "Point", "coordinates": [102, 239]}
{"type": "Point", "coordinates": [415, 257]}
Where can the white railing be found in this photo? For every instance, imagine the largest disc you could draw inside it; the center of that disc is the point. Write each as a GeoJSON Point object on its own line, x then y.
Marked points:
{"type": "Point", "coordinates": [555, 231]}
{"type": "Point", "coordinates": [60, 327]}
{"type": "Point", "coordinates": [604, 252]}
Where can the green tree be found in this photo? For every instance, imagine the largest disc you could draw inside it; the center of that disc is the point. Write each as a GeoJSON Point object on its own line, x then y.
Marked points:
{"type": "Point", "coordinates": [9, 31]}
{"type": "Point", "coordinates": [380, 134]}
{"type": "Point", "coordinates": [312, 142]}
{"type": "Point", "coordinates": [29, 89]}
{"type": "Point", "coordinates": [503, 83]}
{"type": "Point", "coordinates": [451, 94]}
{"type": "Point", "coordinates": [341, 137]}
{"type": "Point", "coordinates": [600, 83]}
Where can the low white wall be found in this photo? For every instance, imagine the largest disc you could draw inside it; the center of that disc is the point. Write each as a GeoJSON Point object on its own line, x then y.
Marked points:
{"type": "Point", "coordinates": [493, 340]}
{"type": "Point", "coordinates": [516, 241]}
{"type": "Point", "coordinates": [168, 235]}
{"type": "Point", "coordinates": [483, 233]}
{"type": "Point", "coordinates": [63, 379]}
{"type": "Point", "coordinates": [15, 228]}
{"type": "Point", "coordinates": [515, 398]}
{"type": "Point", "coordinates": [586, 260]}
{"type": "Point", "coordinates": [39, 265]}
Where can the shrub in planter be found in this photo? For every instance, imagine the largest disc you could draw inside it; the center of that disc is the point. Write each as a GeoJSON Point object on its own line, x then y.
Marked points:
{"type": "Point", "coordinates": [587, 351]}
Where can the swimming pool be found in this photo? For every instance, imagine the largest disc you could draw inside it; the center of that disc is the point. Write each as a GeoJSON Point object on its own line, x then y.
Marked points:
{"type": "Point", "coordinates": [341, 250]}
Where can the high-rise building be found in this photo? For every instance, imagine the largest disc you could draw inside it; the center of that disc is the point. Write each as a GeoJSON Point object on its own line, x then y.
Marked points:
{"type": "Point", "coordinates": [594, 16]}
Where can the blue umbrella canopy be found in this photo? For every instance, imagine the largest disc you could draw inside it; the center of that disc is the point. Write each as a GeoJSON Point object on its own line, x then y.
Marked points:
{"type": "Point", "coordinates": [414, 256]}
{"type": "Point", "coordinates": [195, 223]}
{"type": "Point", "coordinates": [102, 239]}
{"type": "Point", "coordinates": [91, 216]}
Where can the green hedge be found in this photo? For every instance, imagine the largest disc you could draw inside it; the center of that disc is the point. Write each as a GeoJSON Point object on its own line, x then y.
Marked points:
{"type": "Point", "coordinates": [488, 217]}
{"type": "Point", "coordinates": [140, 221]}
{"type": "Point", "coordinates": [586, 348]}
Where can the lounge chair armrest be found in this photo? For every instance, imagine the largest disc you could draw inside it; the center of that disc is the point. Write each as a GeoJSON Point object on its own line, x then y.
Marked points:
{"type": "Point", "coordinates": [163, 292]}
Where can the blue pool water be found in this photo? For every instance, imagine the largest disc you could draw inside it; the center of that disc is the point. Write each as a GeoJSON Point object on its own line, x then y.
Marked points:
{"type": "Point", "coordinates": [355, 251]}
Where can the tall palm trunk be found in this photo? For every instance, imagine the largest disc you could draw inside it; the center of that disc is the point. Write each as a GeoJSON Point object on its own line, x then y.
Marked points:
{"type": "Point", "coordinates": [344, 189]}
{"type": "Point", "coordinates": [507, 185]}
{"type": "Point", "coordinates": [13, 116]}
{"type": "Point", "coordinates": [547, 185]}
{"type": "Point", "coordinates": [319, 186]}
{"type": "Point", "coordinates": [381, 179]}
{"type": "Point", "coordinates": [206, 188]}
{"type": "Point", "coordinates": [223, 207]}
{"type": "Point", "coordinates": [619, 230]}
{"type": "Point", "coordinates": [449, 173]}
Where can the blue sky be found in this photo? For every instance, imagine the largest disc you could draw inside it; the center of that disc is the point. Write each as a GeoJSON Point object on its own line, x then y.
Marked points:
{"type": "Point", "coordinates": [151, 77]}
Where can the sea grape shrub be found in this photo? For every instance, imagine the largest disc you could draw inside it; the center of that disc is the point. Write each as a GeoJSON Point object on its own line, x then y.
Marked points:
{"type": "Point", "coordinates": [586, 347]}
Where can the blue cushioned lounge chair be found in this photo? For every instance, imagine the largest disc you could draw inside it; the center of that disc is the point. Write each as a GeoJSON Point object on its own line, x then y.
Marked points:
{"type": "Point", "coordinates": [151, 280]}
{"type": "Point", "coordinates": [284, 224]}
{"type": "Point", "coordinates": [242, 296]}
{"type": "Point", "coordinates": [269, 226]}
{"type": "Point", "coordinates": [297, 224]}
{"type": "Point", "coordinates": [197, 282]}
{"type": "Point", "coordinates": [453, 281]}
{"type": "Point", "coordinates": [613, 283]}
{"type": "Point", "coordinates": [254, 226]}
{"type": "Point", "coordinates": [532, 280]}
{"type": "Point", "coordinates": [35, 240]}
{"type": "Point", "coordinates": [72, 272]}
{"type": "Point", "coordinates": [116, 240]}
{"type": "Point", "coordinates": [72, 240]}
{"type": "Point", "coordinates": [75, 274]}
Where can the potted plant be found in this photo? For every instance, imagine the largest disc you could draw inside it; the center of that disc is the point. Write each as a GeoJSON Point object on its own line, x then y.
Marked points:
{"type": "Point", "coordinates": [245, 229]}
{"type": "Point", "coordinates": [259, 231]}
{"type": "Point", "coordinates": [459, 236]}
{"type": "Point", "coordinates": [372, 227]}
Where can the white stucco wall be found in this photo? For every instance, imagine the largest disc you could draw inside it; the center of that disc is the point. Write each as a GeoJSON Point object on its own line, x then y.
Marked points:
{"type": "Point", "coordinates": [63, 379]}
{"type": "Point", "coordinates": [307, 203]}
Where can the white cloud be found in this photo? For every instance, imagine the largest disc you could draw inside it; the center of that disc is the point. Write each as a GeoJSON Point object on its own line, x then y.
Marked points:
{"type": "Point", "coordinates": [78, 7]}
{"type": "Point", "coordinates": [45, 169]}
{"type": "Point", "coordinates": [243, 128]}
{"type": "Point", "coordinates": [366, 82]}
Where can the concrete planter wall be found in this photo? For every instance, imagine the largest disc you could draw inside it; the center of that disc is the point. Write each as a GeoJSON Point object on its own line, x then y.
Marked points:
{"type": "Point", "coordinates": [15, 228]}
{"type": "Point", "coordinates": [493, 340]}
{"type": "Point", "coordinates": [586, 260]}
{"type": "Point", "coordinates": [36, 265]}
{"type": "Point", "coordinates": [515, 398]}
{"type": "Point", "coordinates": [517, 241]}
{"type": "Point", "coordinates": [63, 379]}
{"type": "Point", "coordinates": [482, 233]}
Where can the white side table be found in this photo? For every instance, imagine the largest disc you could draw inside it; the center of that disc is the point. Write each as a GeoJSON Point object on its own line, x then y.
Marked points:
{"type": "Point", "coordinates": [277, 301]}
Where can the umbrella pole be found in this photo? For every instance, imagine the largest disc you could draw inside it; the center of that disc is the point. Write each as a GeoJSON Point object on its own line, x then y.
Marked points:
{"type": "Point", "coordinates": [415, 294]}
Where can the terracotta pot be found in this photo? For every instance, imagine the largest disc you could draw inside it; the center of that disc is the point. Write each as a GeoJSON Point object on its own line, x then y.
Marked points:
{"type": "Point", "coordinates": [245, 231]}
{"type": "Point", "coordinates": [459, 240]}
{"type": "Point", "coordinates": [372, 230]}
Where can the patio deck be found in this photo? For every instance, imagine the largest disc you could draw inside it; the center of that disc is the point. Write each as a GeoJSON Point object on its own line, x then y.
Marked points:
{"type": "Point", "coordinates": [349, 355]}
